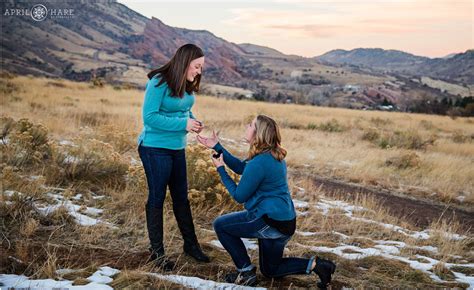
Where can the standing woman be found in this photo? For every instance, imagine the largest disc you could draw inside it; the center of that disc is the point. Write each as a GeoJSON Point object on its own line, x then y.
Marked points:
{"type": "Point", "coordinates": [167, 118]}
{"type": "Point", "coordinates": [269, 213]}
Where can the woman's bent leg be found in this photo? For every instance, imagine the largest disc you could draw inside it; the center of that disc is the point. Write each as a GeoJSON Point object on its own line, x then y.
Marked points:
{"type": "Point", "coordinates": [229, 229]}
{"type": "Point", "coordinates": [272, 263]}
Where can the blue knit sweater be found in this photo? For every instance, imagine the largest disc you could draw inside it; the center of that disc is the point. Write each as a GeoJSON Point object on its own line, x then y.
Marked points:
{"type": "Point", "coordinates": [263, 187]}
{"type": "Point", "coordinates": [164, 117]}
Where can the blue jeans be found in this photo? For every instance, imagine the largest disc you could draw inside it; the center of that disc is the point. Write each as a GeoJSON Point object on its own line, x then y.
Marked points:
{"type": "Point", "coordinates": [164, 167]}
{"type": "Point", "coordinates": [230, 228]}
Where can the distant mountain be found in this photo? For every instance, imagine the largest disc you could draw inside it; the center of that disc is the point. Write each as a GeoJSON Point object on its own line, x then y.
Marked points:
{"type": "Point", "coordinates": [372, 57]}
{"type": "Point", "coordinates": [449, 55]}
{"type": "Point", "coordinates": [106, 38]}
{"type": "Point", "coordinates": [258, 50]}
{"type": "Point", "coordinates": [457, 68]}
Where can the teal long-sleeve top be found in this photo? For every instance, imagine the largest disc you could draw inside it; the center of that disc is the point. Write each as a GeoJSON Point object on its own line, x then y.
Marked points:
{"type": "Point", "coordinates": [164, 117]}
{"type": "Point", "coordinates": [263, 186]}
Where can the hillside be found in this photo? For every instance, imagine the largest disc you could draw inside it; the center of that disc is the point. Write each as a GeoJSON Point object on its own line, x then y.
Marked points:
{"type": "Point", "coordinates": [107, 41]}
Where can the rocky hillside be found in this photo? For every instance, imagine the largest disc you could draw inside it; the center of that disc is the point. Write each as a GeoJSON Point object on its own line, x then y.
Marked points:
{"type": "Point", "coordinates": [457, 68]}
{"type": "Point", "coordinates": [106, 40]}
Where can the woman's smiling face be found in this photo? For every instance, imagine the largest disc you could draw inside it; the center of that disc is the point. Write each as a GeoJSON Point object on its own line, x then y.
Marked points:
{"type": "Point", "coordinates": [194, 68]}
{"type": "Point", "coordinates": [250, 131]}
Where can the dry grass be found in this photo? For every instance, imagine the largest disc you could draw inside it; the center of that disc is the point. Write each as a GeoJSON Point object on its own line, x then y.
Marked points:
{"type": "Point", "coordinates": [323, 138]}
{"type": "Point", "coordinates": [102, 124]}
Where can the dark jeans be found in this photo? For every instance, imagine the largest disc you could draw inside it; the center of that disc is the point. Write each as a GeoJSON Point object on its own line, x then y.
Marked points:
{"type": "Point", "coordinates": [165, 167]}
{"type": "Point", "coordinates": [230, 228]}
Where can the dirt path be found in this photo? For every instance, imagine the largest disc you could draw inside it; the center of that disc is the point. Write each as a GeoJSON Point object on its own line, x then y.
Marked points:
{"type": "Point", "coordinates": [419, 212]}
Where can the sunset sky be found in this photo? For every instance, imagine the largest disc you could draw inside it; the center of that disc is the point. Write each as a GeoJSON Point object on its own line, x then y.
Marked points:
{"type": "Point", "coordinates": [309, 28]}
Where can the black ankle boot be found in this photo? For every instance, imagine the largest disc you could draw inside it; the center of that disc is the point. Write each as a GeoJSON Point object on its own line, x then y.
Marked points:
{"type": "Point", "coordinates": [196, 252]}
{"type": "Point", "coordinates": [186, 226]}
{"type": "Point", "coordinates": [161, 261]}
{"type": "Point", "coordinates": [245, 278]}
{"type": "Point", "coordinates": [154, 223]}
{"type": "Point", "coordinates": [324, 269]}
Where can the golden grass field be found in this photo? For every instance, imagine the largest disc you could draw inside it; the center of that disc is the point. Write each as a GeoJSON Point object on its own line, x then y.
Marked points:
{"type": "Point", "coordinates": [80, 141]}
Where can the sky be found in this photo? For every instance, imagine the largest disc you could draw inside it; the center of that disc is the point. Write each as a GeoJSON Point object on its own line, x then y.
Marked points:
{"type": "Point", "coordinates": [432, 28]}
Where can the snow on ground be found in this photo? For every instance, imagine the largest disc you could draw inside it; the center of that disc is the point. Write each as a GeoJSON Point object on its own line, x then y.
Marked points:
{"type": "Point", "coordinates": [386, 249]}
{"type": "Point", "coordinates": [249, 244]}
{"type": "Point", "coordinates": [98, 281]}
{"type": "Point", "coordinates": [198, 283]}
{"type": "Point", "coordinates": [325, 205]}
{"type": "Point", "coordinates": [67, 143]}
{"type": "Point", "coordinates": [103, 276]}
{"type": "Point", "coordinates": [83, 215]}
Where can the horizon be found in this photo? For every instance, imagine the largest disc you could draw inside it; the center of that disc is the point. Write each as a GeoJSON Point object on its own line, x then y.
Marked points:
{"type": "Point", "coordinates": [313, 28]}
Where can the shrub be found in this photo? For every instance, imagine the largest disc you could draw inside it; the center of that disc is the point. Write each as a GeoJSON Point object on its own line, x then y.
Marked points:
{"type": "Point", "coordinates": [93, 118]}
{"type": "Point", "coordinates": [410, 140]}
{"type": "Point", "coordinates": [7, 87]}
{"type": "Point", "coordinates": [428, 125]}
{"type": "Point", "coordinates": [204, 182]}
{"type": "Point", "coordinates": [332, 125]}
{"type": "Point", "coordinates": [377, 121]}
{"type": "Point", "coordinates": [371, 135]}
{"type": "Point", "coordinates": [459, 137]}
{"type": "Point", "coordinates": [404, 161]}
{"type": "Point", "coordinates": [312, 126]}
{"type": "Point", "coordinates": [24, 143]}
{"type": "Point", "coordinates": [88, 162]}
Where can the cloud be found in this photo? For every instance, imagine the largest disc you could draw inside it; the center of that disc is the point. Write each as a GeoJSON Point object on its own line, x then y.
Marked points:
{"type": "Point", "coordinates": [325, 19]}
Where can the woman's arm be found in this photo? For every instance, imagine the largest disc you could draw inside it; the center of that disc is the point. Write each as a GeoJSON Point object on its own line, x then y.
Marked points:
{"type": "Point", "coordinates": [234, 163]}
{"type": "Point", "coordinates": [151, 109]}
{"type": "Point", "coordinates": [249, 182]}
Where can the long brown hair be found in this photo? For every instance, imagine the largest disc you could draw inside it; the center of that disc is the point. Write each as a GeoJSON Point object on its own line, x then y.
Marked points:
{"type": "Point", "coordinates": [174, 72]}
{"type": "Point", "coordinates": [267, 138]}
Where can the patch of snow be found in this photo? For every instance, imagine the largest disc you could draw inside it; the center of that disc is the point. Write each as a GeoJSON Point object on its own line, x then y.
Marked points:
{"type": "Point", "coordinates": [302, 213]}
{"type": "Point", "coordinates": [300, 203]}
{"type": "Point", "coordinates": [249, 244]}
{"type": "Point", "coordinates": [325, 205]}
{"type": "Point", "coordinates": [198, 283]}
{"type": "Point", "coordinates": [460, 277]}
{"type": "Point", "coordinates": [460, 198]}
{"type": "Point", "coordinates": [77, 196]}
{"type": "Point", "coordinates": [67, 143]}
{"type": "Point", "coordinates": [21, 281]}
{"type": "Point", "coordinates": [71, 159]}
{"type": "Point", "coordinates": [73, 210]}
{"type": "Point", "coordinates": [305, 234]}
{"type": "Point", "coordinates": [10, 193]}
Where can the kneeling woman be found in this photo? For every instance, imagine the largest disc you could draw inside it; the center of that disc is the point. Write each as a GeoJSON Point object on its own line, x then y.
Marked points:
{"type": "Point", "coordinates": [270, 214]}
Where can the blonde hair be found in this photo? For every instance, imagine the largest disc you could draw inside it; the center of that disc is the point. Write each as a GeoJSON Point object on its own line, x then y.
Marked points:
{"type": "Point", "coordinates": [267, 138]}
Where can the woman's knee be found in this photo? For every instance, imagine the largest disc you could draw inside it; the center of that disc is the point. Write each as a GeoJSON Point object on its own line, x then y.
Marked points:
{"type": "Point", "coordinates": [217, 224]}
{"type": "Point", "coordinates": [268, 271]}
{"type": "Point", "coordinates": [155, 199]}
{"type": "Point", "coordinates": [155, 203]}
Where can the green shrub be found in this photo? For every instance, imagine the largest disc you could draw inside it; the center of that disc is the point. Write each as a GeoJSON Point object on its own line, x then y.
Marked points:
{"type": "Point", "coordinates": [404, 161]}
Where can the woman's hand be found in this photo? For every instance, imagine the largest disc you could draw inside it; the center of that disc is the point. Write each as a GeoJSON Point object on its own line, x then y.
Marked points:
{"type": "Point", "coordinates": [200, 128]}
{"type": "Point", "coordinates": [218, 162]}
{"type": "Point", "coordinates": [209, 142]}
{"type": "Point", "coordinates": [194, 126]}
